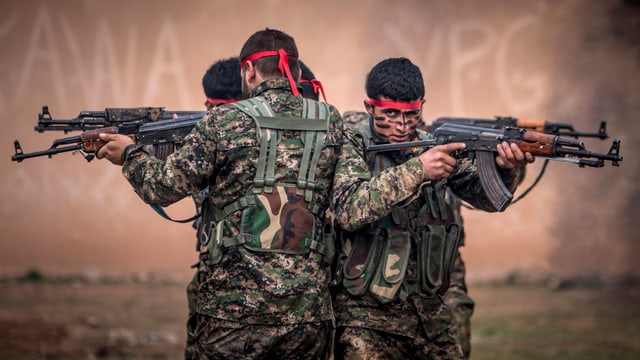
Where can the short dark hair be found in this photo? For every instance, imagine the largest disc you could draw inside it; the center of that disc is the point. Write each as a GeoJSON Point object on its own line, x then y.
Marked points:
{"type": "Point", "coordinates": [271, 40]}
{"type": "Point", "coordinates": [307, 87]}
{"type": "Point", "coordinates": [222, 80]}
{"type": "Point", "coordinates": [395, 78]}
{"type": "Point", "coordinates": [306, 74]}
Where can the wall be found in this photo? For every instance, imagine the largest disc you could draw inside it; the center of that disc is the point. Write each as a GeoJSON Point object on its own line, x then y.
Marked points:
{"type": "Point", "coordinates": [563, 61]}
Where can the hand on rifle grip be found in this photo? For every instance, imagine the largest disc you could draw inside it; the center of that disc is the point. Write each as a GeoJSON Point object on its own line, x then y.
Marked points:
{"type": "Point", "coordinates": [438, 163]}
{"type": "Point", "coordinates": [113, 147]}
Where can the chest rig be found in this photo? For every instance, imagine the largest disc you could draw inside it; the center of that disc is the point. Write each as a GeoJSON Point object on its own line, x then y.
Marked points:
{"type": "Point", "coordinates": [280, 211]}
{"type": "Point", "coordinates": [421, 233]}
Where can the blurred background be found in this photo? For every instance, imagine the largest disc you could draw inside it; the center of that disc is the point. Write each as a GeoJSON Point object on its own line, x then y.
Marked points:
{"type": "Point", "coordinates": [565, 61]}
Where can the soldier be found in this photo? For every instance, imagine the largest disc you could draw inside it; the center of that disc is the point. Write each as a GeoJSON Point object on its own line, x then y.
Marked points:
{"type": "Point", "coordinates": [269, 162]}
{"type": "Point", "coordinates": [221, 85]}
{"type": "Point", "coordinates": [457, 297]}
{"type": "Point", "coordinates": [398, 239]}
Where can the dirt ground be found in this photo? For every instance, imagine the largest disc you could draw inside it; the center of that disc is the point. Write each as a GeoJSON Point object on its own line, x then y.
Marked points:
{"type": "Point", "coordinates": [76, 320]}
{"type": "Point", "coordinates": [145, 320]}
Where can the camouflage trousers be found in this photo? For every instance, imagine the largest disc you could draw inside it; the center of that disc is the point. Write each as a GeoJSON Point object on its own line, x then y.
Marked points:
{"type": "Point", "coordinates": [355, 343]}
{"type": "Point", "coordinates": [209, 338]}
{"type": "Point", "coordinates": [192, 292]}
{"type": "Point", "coordinates": [460, 305]}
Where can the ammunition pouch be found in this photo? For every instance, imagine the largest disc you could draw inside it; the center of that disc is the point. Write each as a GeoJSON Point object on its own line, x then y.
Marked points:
{"type": "Point", "coordinates": [377, 263]}
{"type": "Point", "coordinates": [392, 267]}
{"type": "Point", "coordinates": [378, 257]}
{"type": "Point", "coordinates": [362, 259]}
{"type": "Point", "coordinates": [436, 251]}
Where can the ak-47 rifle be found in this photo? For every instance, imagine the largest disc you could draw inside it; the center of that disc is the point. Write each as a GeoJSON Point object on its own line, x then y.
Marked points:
{"type": "Point", "coordinates": [481, 144]}
{"type": "Point", "coordinates": [501, 122]}
{"type": "Point", "coordinates": [164, 133]}
{"type": "Point", "coordinates": [89, 120]}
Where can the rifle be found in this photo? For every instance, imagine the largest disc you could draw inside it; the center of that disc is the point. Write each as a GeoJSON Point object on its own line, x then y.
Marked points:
{"type": "Point", "coordinates": [89, 120]}
{"type": "Point", "coordinates": [164, 134]}
{"type": "Point", "coordinates": [481, 143]}
{"type": "Point", "coordinates": [500, 122]}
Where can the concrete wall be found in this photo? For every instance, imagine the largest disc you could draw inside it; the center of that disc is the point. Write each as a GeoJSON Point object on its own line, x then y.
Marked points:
{"type": "Point", "coordinates": [563, 61]}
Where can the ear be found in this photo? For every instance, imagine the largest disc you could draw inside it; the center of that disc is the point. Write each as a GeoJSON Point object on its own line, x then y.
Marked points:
{"type": "Point", "coordinates": [299, 77]}
{"type": "Point", "coordinates": [368, 106]}
{"type": "Point", "coordinates": [250, 73]}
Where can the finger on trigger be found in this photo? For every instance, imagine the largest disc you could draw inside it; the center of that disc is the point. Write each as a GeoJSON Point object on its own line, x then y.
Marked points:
{"type": "Point", "coordinates": [451, 147]}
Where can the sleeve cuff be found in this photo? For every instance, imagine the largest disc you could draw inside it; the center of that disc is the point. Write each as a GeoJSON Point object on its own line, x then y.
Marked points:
{"type": "Point", "coordinates": [130, 150]}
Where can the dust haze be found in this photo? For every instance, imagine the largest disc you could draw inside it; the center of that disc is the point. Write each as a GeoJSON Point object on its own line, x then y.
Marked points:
{"type": "Point", "coordinates": [562, 61]}
{"type": "Point", "coordinates": [600, 234]}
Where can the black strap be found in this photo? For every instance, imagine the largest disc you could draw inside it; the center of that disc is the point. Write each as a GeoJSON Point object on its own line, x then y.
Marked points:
{"type": "Point", "coordinates": [160, 210]}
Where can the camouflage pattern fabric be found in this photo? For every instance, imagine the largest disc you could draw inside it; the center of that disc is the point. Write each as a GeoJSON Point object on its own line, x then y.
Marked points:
{"type": "Point", "coordinates": [145, 114]}
{"type": "Point", "coordinates": [221, 152]}
{"type": "Point", "coordinates": [353, 119]}
{"type": "Point", "coordinates": [461, 306]}
{"type": "Point", "coordinates": [239, 341]}
{"type": "Point", "coordinates": [288, 231]}
{"type": "Point", "coordinates": [355, 343]}
{"type": "Point", "coordinates": [192, 293]}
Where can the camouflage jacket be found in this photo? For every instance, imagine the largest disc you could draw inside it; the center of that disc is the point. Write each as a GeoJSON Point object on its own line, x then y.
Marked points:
{"type": "Point", "coordinates": [353, 119]}
{"type": "Point", "coordinates": [361, 199]}
{"type": "Point", "coordinates": [222, 152]}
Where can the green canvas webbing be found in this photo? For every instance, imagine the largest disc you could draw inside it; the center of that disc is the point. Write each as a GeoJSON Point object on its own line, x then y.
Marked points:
{"type": "Point", "coordinates": [313, 125]}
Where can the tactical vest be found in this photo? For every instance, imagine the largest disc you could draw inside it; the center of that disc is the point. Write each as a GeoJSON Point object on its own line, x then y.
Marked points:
{"type": "Point", "coordinates": [283, 216]}
{"type": "Point", "coordinates": [377, 255]}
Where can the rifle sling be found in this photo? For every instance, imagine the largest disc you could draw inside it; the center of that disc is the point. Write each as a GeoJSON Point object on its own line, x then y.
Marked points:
{"type": "Point", "coordinates": [160, 210]}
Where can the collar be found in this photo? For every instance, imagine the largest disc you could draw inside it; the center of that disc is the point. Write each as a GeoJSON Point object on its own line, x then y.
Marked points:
{"type": "Point", "coordinates": [280, 84]}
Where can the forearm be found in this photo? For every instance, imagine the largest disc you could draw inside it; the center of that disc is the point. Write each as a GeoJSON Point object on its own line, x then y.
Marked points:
{"type": "Point", "coordinates": [361, 199]}
{"type": "Point", "coordinates": [165, 182]}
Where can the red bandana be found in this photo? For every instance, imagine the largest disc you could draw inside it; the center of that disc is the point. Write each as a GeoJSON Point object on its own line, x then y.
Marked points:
{"type": "Point", "coordinates": [283, 65]}
{"type": "Point", "coordinates": [219, 101]}
{"type": "Point", "coordinates": [415, 105]}
{"type": "Point", "coordinates": [317, 85]}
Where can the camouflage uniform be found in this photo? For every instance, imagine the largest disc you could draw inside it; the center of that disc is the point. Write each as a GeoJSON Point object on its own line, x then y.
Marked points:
{"type": "Point", "coordinates": [254, 300]}
{"type": "Point", "coordinates": [353, 119]}
{"type": "Point", "coordinates": [399, 311]}
{"type": "Point", "coordinates": [456, 298]}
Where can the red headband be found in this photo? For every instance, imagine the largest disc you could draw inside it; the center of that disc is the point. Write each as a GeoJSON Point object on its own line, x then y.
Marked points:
{"type": "Point", "coordinates": [397, 104]}
{"type": "Point", "coordinates": [223, 101]}
{"type": "Point", "coordinates": [317, 85]}
{"type": "Point", "coordinates": [283, 64]}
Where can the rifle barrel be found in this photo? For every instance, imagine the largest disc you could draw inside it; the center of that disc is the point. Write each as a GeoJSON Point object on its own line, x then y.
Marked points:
{"type": "Point", "coordinates": [20, 155]}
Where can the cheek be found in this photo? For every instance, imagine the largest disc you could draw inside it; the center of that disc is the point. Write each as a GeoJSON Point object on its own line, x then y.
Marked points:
{"type": "Point", "coordinates": [383, 131]}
